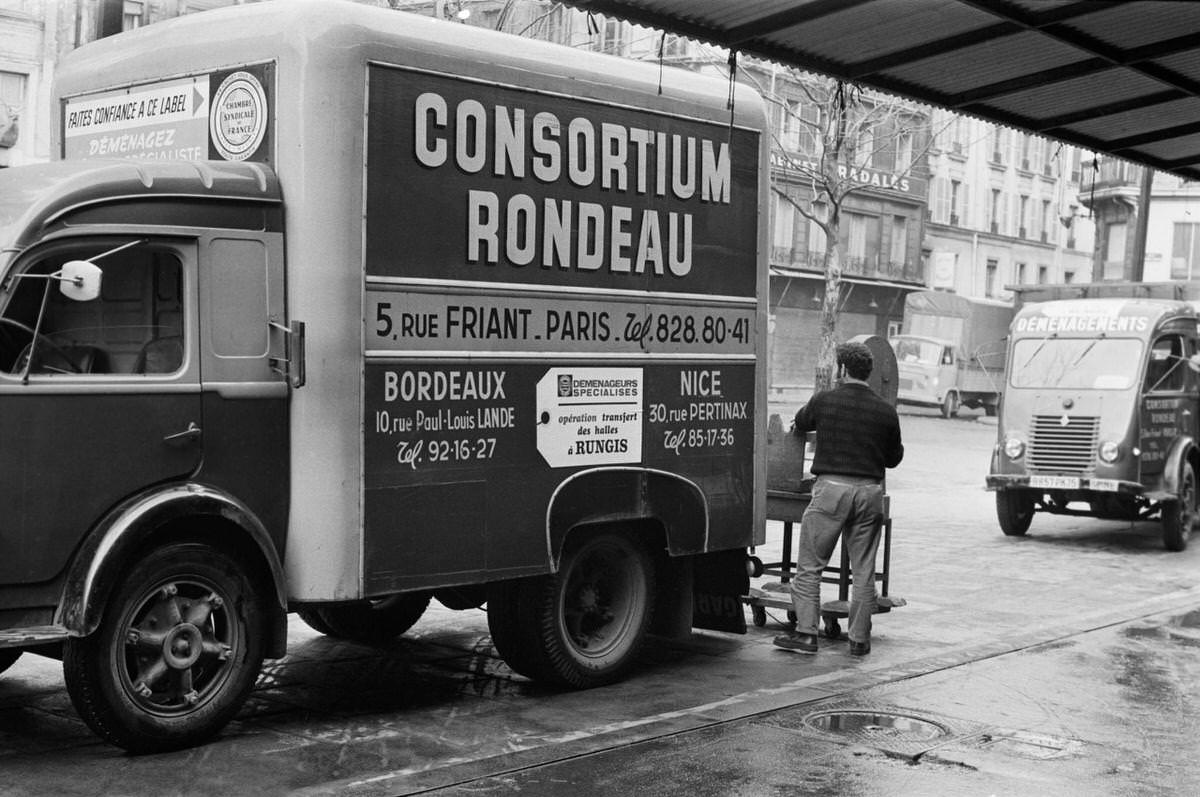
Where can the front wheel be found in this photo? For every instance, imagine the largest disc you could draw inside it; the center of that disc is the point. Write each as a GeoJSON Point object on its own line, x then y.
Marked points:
{"type": "Point", "coordinates": [950, 405]}
{"type": "Point", "coordinates": [583, 626]}
{"type": "Point", "coordinates": [1014, 510]}
{"type": "Point", "coordinates": [178, 648]}
{"type": "Point", "coordinates": [1178, 515]}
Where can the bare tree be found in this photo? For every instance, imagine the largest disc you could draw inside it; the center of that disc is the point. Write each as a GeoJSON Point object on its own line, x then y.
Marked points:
{"type": "Point", "coordinates": [845, 129]}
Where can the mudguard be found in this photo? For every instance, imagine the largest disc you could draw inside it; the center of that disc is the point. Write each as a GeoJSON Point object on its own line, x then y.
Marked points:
{"type": "Point", "coordinates": [124, 530]}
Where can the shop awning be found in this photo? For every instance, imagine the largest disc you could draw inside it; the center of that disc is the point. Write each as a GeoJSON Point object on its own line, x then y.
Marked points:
{"type": "Point", "coordinates": [1121, 78]}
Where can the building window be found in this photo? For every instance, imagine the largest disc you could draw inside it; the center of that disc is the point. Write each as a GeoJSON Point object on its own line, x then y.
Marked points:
{"type": "Point", "coordinates": [957, 203]}
{"type": "Point", "coordinates": [899, 239]}
{"type": "Point", "coordinates": [785, 215]}
{"type": "Point", "coordinates": [1114, 251]}
{"type": "Point", "coordinates": [999, 141]}
{"type": "Point", "coordinates": [798, 130]}
{"type": "Point", "coordinates": [996, 211]}
{"type": "Point", "coordinates": [612, 37]}
{"type": "Point", "coordinates": [1047, 231]}
{"type": "Point", "coordinates": [1185, 251]}
{"type": "Point", "coordinates": [939, 200]}
{"type": "Point", "coordinates": [12, 91]}
{"type": "Point", "coordinates": [133, 15]}
{"type": "Point", "coordinates": [1023, 217]}
{"type": "Point", "coordinates": [991, 278]}
{"type": "Point", "coordinates": [1020, 273]}
{"type": "Point", "coordinates": [1043, 274]}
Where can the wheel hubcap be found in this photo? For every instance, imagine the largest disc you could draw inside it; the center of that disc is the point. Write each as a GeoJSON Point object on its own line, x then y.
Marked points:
{"type": "Point", "coordinates": [178, 642]}
{"type": "Point", "coordinates": [598, 602]}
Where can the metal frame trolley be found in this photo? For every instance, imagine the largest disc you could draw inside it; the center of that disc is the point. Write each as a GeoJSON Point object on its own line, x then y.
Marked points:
{"type": "Point", "coordinates": [789, 490]}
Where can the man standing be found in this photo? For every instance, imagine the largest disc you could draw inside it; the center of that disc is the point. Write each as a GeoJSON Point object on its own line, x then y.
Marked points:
{"type": "Point", "coordinates": [858, 437]}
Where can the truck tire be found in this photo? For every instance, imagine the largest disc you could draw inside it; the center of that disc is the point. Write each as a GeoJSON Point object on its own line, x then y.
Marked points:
{"type": "Point", "coordinates": [371, 621]}
{"type": "Point", "coordinates": [178, 648]}
{"type": "Point", "coordinates": [950, 405]}
{"type": "Point", "coordinates": [1177, 515]}
{"type": "Point", "coordinates": [583, 626]}
{"type": "Point", "coordinates": [1014, 510]}
{"type": "Point", "coordinates": [8, 657]}
{"type": "Point", "coordinates": [513, 635]}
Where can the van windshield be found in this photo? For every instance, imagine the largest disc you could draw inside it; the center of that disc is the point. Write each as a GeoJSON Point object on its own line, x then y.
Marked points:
{"type": "Point", "coordinates": [912, 350]}
{"type": "Point", "coordinates": [1076, 363]}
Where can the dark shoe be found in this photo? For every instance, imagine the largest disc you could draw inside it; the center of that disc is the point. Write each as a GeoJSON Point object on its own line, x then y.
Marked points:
{"type": "Point", "coordinates": [797, 643]}
{"type": "Point", "coordinates": [860, 648]}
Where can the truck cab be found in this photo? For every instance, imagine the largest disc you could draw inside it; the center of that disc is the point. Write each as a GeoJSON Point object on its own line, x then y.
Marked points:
{"type": "Point", "coordinates": [927, 369]}
{"type": "Point", "coordinates": [1100, 415]}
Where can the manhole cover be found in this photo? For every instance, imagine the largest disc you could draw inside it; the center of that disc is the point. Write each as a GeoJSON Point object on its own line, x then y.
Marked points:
{"type": "Point", "coordinates": [876, 726]}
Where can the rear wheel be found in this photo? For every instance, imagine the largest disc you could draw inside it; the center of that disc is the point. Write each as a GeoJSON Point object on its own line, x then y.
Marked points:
{"type": "Point", "coordinates": [583, 626]}
{"type": "Point", "coordinates": [178, 648]}
{"type": "Point", "coordinates": [8, 657]}
{"type": "Point", "coordinates": [1014, 510]}
{"type": "Point", "coordinates": [1178, 515]}
{"type": "Point", "coordinates": [950, 405]}
{"type": "Point", "coordinates": [370, 621]}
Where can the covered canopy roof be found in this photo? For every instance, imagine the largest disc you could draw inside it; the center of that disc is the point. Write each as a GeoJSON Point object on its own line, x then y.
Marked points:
{"type": "Point", "coordinates": [1122, 78]}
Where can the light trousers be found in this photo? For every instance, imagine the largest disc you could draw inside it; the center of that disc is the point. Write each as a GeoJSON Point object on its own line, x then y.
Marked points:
{"type": "Point", "coordinates": [850, 508]}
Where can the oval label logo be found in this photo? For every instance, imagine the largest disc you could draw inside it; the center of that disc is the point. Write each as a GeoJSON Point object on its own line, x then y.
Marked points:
{"type": "Point", "coordinates": [238, 119]}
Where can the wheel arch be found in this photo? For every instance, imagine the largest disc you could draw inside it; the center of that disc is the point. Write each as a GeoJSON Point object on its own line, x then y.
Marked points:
{"type": "Point", "coordinates": [1184, 450]}
{"type": "Point", "coordinates": [643, 497]}
{"type": "Point", "coordinates": [176, 512]}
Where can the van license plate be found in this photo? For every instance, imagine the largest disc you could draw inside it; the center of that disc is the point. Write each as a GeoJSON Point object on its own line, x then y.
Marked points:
{"type": "Point", "coordinates": [1104, 485]}
{"type": "Point", "coordinates": [1055, 482]}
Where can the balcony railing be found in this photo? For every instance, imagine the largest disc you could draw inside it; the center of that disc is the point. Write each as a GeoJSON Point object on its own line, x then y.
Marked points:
{"type": "Point", "coordinates": [871, 267]}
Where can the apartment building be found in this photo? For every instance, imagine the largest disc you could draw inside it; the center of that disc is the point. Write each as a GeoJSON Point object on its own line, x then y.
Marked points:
{"type": "Point", "coordinates": [1005, 209]}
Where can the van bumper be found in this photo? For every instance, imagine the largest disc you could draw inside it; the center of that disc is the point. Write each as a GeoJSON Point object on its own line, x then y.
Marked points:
{"type": "Point", "coordinates": [1070, 484]}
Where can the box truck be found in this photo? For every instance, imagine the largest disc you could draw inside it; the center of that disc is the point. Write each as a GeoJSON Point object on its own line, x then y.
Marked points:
{"type": "Point", "coordinates": [951, 351]}
{"type": "Point", "coordinates": [339, 310]}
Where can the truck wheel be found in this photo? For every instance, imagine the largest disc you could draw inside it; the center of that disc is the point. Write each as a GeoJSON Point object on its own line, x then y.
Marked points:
{"type": "Point", "coordinates": [8, 657]}
{"type": "Point", "coordinates": [311, 616]}
{"type": "Point", "coordinates": [178, 648]}
{"type": "Point", "coordinates": [588, 621]}
{"type": "Point", "coordinates": [1177, 515]}
{"type": "Point", "coordinates": [1014, 510]}
{"type": "Point", "coordinates": [513, 633]}
{"type": "Point", "coordinates": [371, 621]}
{"type": "Point", "coordinates": [950, 405]}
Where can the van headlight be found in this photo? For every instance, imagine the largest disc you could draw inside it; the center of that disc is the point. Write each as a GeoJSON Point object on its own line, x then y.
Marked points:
{"type": "Point", "coordinates": [1110, 452]}
{"type": "Point", "coordinates": [1014, 447]}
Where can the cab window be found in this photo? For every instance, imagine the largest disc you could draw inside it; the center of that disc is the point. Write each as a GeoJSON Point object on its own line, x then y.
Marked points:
{"type": "Point", "coordinates": [1166, 371]}
{"type": "Point", "coordinates": [134, 327]}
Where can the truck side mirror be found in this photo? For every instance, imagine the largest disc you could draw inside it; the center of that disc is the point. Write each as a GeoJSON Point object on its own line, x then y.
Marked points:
{"type": "Point", "coordinates": [80, 280]}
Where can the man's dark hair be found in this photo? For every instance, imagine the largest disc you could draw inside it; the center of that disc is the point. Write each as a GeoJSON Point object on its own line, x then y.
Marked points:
{"type": "Point", "coordinates": [856, 359]}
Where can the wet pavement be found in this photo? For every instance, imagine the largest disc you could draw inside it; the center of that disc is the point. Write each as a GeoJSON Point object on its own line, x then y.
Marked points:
{"type": "Point", "coordinates": [1082, 632]}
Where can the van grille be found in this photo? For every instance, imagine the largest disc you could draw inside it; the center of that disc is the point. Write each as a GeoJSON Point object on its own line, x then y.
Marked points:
{"type": "Point", "coordinates": [1054, 447]}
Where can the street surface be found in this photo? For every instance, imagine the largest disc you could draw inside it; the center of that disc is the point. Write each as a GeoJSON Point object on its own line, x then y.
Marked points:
{"type": "Point", "coordinates": [1058, 663]}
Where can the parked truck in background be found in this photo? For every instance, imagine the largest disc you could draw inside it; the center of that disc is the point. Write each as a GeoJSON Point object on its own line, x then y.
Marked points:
{"type": "Point", "coordinates": [1101, 412]}
{"type": "Point", "coordinates": [373, 309]}
{"type": "Point", "coordinates": [951, 351]}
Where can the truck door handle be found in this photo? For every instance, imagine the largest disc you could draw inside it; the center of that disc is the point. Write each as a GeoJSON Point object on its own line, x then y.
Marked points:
{"type": "Point", "coordinates": [192, 432]}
